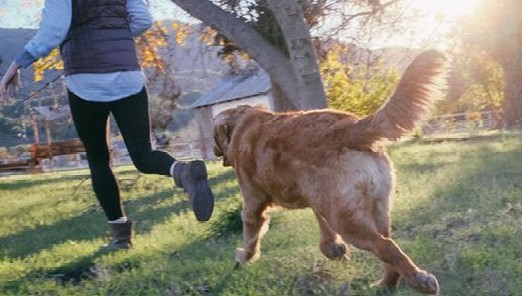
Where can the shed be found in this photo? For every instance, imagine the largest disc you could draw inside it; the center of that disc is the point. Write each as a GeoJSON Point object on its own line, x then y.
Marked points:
{"type": "Point", "coordinates": [252, 88]}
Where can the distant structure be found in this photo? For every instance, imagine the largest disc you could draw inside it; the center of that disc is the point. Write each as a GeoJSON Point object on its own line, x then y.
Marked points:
{"type": "Point", "coordinates": [251, 88]}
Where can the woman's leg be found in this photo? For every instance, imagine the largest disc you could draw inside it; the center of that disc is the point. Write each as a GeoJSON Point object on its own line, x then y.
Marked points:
{"type": "Point", "coordinates": [132, 116]}
{"type": "Point", "coordinates": [90, 120]}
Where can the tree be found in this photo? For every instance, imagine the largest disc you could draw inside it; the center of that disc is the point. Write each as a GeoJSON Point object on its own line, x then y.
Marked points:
{"type": "Point", "coordinates": [476, 84]}
{"type": "Point", "coordinates": [160, 73]}
{"type": "Point", "coordinates": [497, 30]}
{"type": "Point", "coordinates": [359, 89]}
{"type": "Point", "coordinates": [275, 34]}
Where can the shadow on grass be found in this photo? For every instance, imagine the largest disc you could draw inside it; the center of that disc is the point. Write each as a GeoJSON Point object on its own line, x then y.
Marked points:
{"type": "Point", "coordinates": [86, 226]}
{"type": "Point", "coordinates": [83, 227]}
{"type": "Point", "coordinates": [73, 273]}
{"type": "Point", "coordinates": [90, 224]}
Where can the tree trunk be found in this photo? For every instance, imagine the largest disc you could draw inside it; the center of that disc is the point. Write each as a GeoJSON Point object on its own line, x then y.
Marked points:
{"type": "Point", "coordinates": [296, 32]}
{"type": "Point", "coordinates": [296, 78]}
{"type": "Point", "coordinates": [273, 61]}
{"type": "Point", "coordinates": [504, 44]}
{"type": "Point", "coordinates": [513, 92]}
{"type": "Point", "coordinates": [281, 102]}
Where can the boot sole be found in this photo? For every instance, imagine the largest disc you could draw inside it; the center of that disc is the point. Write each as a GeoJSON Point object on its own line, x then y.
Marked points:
{"type": "Point", "coordinates": [203, 199]}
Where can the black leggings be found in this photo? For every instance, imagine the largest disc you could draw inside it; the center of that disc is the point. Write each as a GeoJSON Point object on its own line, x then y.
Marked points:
{"type": "Point", "coordinates": [132, 117]}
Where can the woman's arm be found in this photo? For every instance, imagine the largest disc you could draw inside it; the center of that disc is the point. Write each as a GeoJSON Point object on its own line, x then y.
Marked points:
{"type": "Point", "coordinates": [140, 19]}
{"type": "Point", "coordinates": [55, 23]}
{"type": "Point", "coordinates": [10, 81]}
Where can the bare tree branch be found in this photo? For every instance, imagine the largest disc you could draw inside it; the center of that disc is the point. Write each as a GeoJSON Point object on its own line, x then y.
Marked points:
{"type": "Point", "coordinates": [247, 38]}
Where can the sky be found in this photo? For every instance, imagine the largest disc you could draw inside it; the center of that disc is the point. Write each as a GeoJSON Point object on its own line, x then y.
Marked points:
{"type": "Point", "coordinates": [13, 15]}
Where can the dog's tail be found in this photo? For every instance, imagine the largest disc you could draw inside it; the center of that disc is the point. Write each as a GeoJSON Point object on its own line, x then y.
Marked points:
{"type": "Point", "coordinates": [421, 85]}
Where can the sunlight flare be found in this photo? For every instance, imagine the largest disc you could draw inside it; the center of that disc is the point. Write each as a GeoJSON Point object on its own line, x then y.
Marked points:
{"type": "Point", "coordinates": [448, 8]}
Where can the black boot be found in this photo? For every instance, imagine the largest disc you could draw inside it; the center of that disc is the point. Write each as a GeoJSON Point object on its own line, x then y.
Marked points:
{"type": "Point", "coordinates": [192, 177]}
{"type": "Point", "coordinates": [121, 234]}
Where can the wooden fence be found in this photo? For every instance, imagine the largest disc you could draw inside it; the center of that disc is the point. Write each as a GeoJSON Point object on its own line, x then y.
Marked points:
{"type": "Point", "coordinates": [39, 152]}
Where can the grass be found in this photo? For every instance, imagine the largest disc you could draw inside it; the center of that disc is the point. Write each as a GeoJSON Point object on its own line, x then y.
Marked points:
{"type": "Point", "coordinates": [457, 213]}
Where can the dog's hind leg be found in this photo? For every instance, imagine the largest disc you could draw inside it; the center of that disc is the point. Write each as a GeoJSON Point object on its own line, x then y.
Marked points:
{"type": "Point", "coordinates": [332, 245]}
{"type": "Point", "coordinates": [255, 225]}
{"type": "Point", "coordinates": [381, 213]}
{"type": "Point", "coordinates": [363, 235]}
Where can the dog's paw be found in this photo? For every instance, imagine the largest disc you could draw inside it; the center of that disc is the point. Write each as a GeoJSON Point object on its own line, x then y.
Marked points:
{"type": "Point", "coordinates": [243, 256]}
{"type": "Point", "coordinates": [424, 282]}
{"type": "Point", "coordinates": [335, 251]}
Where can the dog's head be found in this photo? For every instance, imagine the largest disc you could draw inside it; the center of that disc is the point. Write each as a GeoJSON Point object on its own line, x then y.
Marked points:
{"type": "Point", "coordinates": [224, 124]}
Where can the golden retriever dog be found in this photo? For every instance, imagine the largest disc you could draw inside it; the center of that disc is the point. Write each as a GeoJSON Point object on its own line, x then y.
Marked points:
{"type": "Point", "coordinates": [334, 163]}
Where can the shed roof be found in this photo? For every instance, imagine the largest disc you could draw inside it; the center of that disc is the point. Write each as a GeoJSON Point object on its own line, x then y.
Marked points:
{"type": "Point", "coordinates": [235, 87]}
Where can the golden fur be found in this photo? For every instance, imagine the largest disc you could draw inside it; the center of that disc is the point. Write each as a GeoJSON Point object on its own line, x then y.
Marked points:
{"type": "Point", "coordinates": [334, 163]}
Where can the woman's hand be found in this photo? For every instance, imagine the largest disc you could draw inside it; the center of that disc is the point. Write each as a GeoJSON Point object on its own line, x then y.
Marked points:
{"type": "Point", "coordinates": [10, 83]}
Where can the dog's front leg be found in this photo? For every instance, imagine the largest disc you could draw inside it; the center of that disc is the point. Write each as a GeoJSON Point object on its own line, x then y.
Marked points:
{"type": "Point", "coordinates": [255, 225]}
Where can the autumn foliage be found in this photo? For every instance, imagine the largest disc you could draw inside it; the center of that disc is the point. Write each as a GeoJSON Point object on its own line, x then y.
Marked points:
{"type": "Point", "coordinates": [50, 62]}
{"type": "Point", "coordinates": [359, 89]}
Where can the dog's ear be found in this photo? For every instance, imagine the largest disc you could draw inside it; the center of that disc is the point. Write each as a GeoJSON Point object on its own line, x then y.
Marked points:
{"type": "Point", "coordinates": [224, 124]}
{"type": "Point", "coordinates": [222, 134]}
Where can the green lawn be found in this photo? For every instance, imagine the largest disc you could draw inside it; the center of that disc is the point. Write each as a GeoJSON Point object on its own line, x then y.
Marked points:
{"type": "Point", "coordinates": [457, 213]}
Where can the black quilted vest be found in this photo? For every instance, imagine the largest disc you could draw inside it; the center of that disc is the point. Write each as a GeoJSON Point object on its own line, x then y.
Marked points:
{"type": "Point", "coordinates": [99, 39]}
